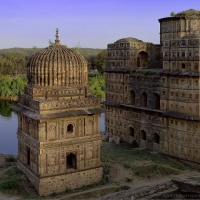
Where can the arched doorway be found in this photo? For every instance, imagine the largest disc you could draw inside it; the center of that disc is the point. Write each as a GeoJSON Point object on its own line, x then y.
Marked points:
{"type": "Point", "coordinates": [156, 138]}
{"type": "Point", "coordinates": [144, 99]}
{"type": "Point", "coordinates": [142, 59]}
{"type": "Point", "coordinates": [132, 97]}
{"type": "Point", "coordinates": [142, 135]}
{"type": "Point", "coordinates": [71, 161]}
{"type": "Point", "coordinates": [156, 101]}
{"type": "Point", "coordinates": [131, 131]}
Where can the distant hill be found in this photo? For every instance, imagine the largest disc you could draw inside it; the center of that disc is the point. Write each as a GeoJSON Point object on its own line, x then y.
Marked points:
{"type": "Point", "coordinates": [28, 52]}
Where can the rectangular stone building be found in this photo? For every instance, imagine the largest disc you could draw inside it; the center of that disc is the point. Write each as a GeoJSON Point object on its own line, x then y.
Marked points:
{"type": "Point", "coordinates": [152, 91]}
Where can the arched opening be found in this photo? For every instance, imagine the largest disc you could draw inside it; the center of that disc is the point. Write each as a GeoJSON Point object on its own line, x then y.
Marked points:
{"type": "Point", "coordinates": [70, 128]}
{"type": "Point", "coordinates": [143, 135]}
{"type": "Point", "coordinates": [132, 97]}
{"type": "Point", "coordinates": [28, 155]}
{"type": "Point", "coordinates": [71, 161]}
{"type": "Point", "coordinates": [138, 62]}
{"type": "Point", "coordinates": [131, 131]}
{"type": "Point", "coordinates": [142, 59]}
{"type": "Point", "coordinates": [156, 101]}
{"type": "Point", "coordinates": [144, 99]}
{"type": "Point", "coordinates": [156, 138]}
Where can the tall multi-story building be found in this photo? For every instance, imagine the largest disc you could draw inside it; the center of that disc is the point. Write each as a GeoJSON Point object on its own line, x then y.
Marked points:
{"type": "Point", "coordinates": [58, 122]}
{"type": "Point", "coordinates": [152, 91]}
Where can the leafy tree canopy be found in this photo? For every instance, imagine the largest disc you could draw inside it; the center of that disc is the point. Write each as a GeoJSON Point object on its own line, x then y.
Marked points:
{"type": "Point", "coordinates": [100, 61]}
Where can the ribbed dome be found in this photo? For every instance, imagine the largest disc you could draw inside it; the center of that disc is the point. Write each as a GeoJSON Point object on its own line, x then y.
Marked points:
{"type": "Point", "coordinates": [57, 65]}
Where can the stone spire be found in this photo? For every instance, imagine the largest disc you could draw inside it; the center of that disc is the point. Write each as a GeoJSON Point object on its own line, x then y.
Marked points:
{"type": "Point", "coordinates": [57, 41]}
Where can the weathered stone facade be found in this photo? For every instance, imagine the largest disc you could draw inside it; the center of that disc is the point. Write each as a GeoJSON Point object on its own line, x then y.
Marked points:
{"type": "Point", "coordinates": [58, 123]}
{"type": "Point", "coordinates": [157, 104]}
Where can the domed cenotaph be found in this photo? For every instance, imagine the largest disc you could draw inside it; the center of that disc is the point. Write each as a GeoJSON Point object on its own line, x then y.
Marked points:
{"type": "Point", "coordinates": [58, 122]}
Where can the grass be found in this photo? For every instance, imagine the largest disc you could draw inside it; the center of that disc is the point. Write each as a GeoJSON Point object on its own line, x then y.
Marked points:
{"type": "Point", "coordinates": [142, 162]}
{"type": "Point", "coordinates": [151, 171]}
{"type": "Point", "coordinates": [14, 182]}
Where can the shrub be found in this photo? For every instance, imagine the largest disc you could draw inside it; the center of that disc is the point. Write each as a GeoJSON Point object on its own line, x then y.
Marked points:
{"type": "Point", "coordinates": [10, 159]}
{"type": "Point", "coordinates": [106, 171]}
{"type": "Point", "coordinates": [124, 187]}
{"type": "Point", "coordinates": [129, 180]}
{"type": "Point", "coordinates": [172, 14]}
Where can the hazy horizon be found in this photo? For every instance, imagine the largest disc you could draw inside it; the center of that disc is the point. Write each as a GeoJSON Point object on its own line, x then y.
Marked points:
{"type": "Point", "coordinates": [90, 24]}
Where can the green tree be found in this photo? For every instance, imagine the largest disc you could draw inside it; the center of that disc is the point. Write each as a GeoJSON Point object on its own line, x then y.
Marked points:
{"type": "Point", "coordinates": [97, 85]}
{"type": "Point", "coordinates": [18, 63]}
{"type": "Point", "coordinates": [100, 61]}
{"type": "Point", "coordinates": [12, 86]}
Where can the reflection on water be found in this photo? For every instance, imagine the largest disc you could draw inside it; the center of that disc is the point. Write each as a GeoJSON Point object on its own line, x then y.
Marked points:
{"type": "Point", "coordinates": [5, 108]}
{"type": "Point", "coordinates": [8, 128]}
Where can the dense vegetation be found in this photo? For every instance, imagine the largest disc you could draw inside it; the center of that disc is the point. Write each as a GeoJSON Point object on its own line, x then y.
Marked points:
{"type": "Point", "coordinates": [12, 86]}
{"type": "Point", "coordinates": [97, 85]}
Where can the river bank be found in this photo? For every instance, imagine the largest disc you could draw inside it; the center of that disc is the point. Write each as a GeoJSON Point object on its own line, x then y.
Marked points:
{"type": "Point", "coordinates": [10, 98]}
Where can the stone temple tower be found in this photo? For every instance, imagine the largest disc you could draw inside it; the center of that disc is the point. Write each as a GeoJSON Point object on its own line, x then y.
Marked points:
{"type": "Point", "coordinates": [58, 122]}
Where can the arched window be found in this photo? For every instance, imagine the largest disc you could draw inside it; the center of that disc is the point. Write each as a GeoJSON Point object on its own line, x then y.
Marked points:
{"type": "Point", "coordinates": [156, 101]}
{"type": "Point", "coordinates": [144, 99]}
{"type": "Point", "coordinates": [132, 97]}
{"type": "Point", "coordinates": [156, 138]}
{"type": "Point", "coordinates": [131, 131]}
{"type": "Point", "coordinates": [142, 59]}
{"type": "Point", "coordinates": [183, 66]}
{"type": "Point", "coordinates": [143, 135]}
{"type": "Point", "coordinates": [70, 128]}
{"type": "Point", "coordinates": [71, 161]}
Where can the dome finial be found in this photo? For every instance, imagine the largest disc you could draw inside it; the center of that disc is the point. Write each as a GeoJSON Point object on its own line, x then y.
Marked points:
{"type": "Point", "coordinates": [57, 41]}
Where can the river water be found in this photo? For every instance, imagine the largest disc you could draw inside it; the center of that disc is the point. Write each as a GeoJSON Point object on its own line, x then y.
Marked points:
{"type": "Point", "coordinates": [8, 128]}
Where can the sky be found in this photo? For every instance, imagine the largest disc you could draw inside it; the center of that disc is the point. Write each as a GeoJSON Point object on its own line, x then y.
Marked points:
{"type": "Point", "coordinates": [83, 23]}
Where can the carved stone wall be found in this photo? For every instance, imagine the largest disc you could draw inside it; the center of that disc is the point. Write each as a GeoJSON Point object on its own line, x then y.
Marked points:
{"type": "Point", "coordinates": [64, 181]}
{"type": "Point", "coordinates": [131, 53]}
{"type": "Point", "coordinates": [177, 27]}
